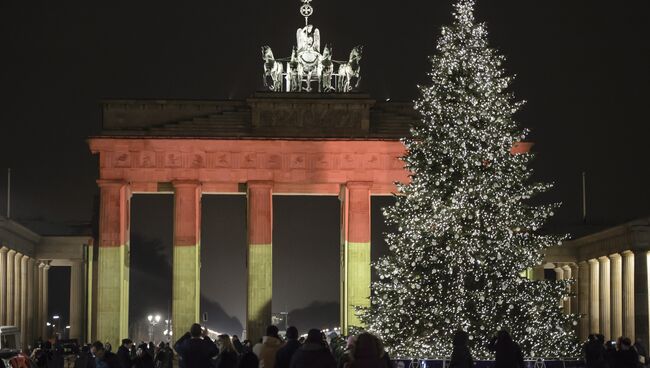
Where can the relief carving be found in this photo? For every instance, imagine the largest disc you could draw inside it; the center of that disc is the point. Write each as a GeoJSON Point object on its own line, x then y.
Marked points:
{"type": "Point", "coordinates": [372, 162]}
{"type": "Point", "coordinates": [197, 160]}
{"type": "Point", "coordinates": [173, 159]}
{"type": "Point", "coordinates": [274, 161]}
{"type": "Point", "coordinates": [122, 159]}
{"type": "Point", "coordinates": [248, 160]}
{"type": "Point", "coordinates": [297, 161]}
{"type": "Point", "coordinates": [147, 159]}
{"type": "Point", "coordinates": [349, 161]}
{"type": "Point", "coordinates": [321, 161]}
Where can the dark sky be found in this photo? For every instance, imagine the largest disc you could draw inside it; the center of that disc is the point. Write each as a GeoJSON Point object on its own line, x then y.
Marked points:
{"type": "Point", "coordinates": [583, 66]}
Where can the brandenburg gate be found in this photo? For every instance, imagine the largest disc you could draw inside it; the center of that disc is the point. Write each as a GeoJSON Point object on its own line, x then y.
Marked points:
{"type": "Point", "coordinates": [344, 145]}
{"type": "Point", "coordinates": [309, 134]}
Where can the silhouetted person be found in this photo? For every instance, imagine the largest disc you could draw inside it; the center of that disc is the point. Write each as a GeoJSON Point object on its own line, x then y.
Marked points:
{"type": "Point", "coordinates": [461, 357]}
{"type": "Point", "coordinates": [161, 360]}
{"type": "Point", "coordinates": [103, 357]}
{"type": "Point", "coordinates": [143, 357]}
{"type": "Point", "coordinates": [507, 352]}
{"type": "Point", "coordinates": [239, 347]}
{"type": "Point", "coordinates": [314, 353]}
{"type": "Point", "coordinates": [249, 360]}
{"type": "Point", "coordinates": [642, 351]}
{"type": "Point", "coordinates": [227, 354]}
{"type": "Point", "coordinates": [124, 353]}
{"type": "Point", "coordinates": [195, 348]}
{"type": "Point", "coordinates": [271, 343]}
{"type": "Point", "coordinates": [346, 357]}
{"type": "Point", "coordinates": [84, 358]}
{"type": "Point", "coordinates": [283, 356]}
{"type": "Point", "coordinates": [594, 352]}
{"type": "Point", "coordinates": [626, 356]}
{"type": "Point", "coordinates": [367, 352]}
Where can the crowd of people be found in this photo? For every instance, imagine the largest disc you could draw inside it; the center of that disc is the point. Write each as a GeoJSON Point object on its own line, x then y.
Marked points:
{"type": "Point", "coordinates": [620, 353]}
{"type": "Point", "coordinates": [196, 349]}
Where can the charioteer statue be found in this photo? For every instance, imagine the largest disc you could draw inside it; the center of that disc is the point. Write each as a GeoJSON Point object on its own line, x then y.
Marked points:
{"type": "Point", "coordinates": [307, 64]}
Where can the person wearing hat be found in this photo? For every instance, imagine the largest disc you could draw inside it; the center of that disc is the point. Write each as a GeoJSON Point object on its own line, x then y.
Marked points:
{"type": "Point", "coordinates": [314, 353]}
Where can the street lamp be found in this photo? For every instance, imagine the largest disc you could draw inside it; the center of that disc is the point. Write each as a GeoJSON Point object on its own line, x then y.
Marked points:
{"type": "Point", "coordinates": [153, 320]}
{"type": "Point", "coordinates": [168, 331]}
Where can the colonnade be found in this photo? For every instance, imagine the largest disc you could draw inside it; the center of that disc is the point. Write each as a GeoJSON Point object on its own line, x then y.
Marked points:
{"type": "Point", "coordinates": [617, 295]}
{"type": "Point", "coordinates": [610, 294]}
{"type": "Point", "coordinates": [113, 257]}
{"type": "Point", "coordinates": [23, 294]}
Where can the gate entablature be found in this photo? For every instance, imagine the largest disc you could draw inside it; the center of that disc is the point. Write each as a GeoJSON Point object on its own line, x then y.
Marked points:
{"type": "Point", "coordinates": [221, 165]}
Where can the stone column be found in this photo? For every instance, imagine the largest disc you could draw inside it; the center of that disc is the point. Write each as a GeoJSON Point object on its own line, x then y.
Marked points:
{"type": "Point", "coordinates": [605, 300]}
{"type": "Point", "coordinates": [45, 295]}
{"type": "Point", "coordinates": [641, 295]}
{"type": "Point", "coordinates": [24, 263]}
{"type": "Point", "coordinates": [583, 299]}
{"type": "Point", "coordinates": [594, 296]}
{"type": "Point", "coordinates": [3, 285]}
{"type": "Point", "coordinates": [355, 251]}
{"type": "Point", "coordinates": [616, 275]}
{"type": "Point", "coordinates": [113, 262]}
{"type": "Point", "coordinates": [29, 303]}
{"type": "Point", "coordinates": [11, 255]}
{"type": "Point", "coordinates": [36, 327]}
{"type": "Point", "coordinates": [559, 275]}
{"type": "Point", "coordinates": [567, 301]}
{"type": "Point", "coordinates": [628, 295]}
{"type": "Point", "coordinates": [186, 286]}
{"type": "Point", "coordinates": [18, 261]}
{"type": "Point", "coordinates": [76, 300]}
{"type": "Point", "coordinates": [575, 289]}
{"type": "Point", "coordinates": [260, 258]}
{"type": "Point", "coordinates": [40, 317]}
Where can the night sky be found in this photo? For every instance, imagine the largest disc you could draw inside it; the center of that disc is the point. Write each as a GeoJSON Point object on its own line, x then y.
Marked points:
{"type": "Point", "coordinates": [583, 66]}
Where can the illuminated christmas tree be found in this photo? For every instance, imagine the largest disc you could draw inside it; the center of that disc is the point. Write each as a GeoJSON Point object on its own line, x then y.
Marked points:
{"type": "Point", "coordinates": [466, 229]}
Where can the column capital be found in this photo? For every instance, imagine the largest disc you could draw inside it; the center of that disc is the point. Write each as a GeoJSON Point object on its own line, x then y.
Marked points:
{"type": "Point", "coordinates": [4, 249]}
{"type": "Point", "coordinates": [186, 183]}
{"type": "Point", "coordinates": [603, 259]}
{"type": "Point", "coordinates": [111, 183]}
{"type": "Point", "coordinates": [11, 252]}
{"type": "Point", "coordinates": [359, 184]}
{"type": "Point", "coordinates": [259, 184]}
{"type": "Point", "coordinates": [46, 267]}
{"type": "Point", "coordinates": [41, 264]}
{"type": "Point", "coordinates": [627, 253]}
{"type": "Point", "coordinates": [593, 261]}
{"type": "Point", "coordinates": [615, 256]}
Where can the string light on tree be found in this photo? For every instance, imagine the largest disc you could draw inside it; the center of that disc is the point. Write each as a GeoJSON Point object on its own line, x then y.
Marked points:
{"type": "Point", "coordinates": [466, 229]}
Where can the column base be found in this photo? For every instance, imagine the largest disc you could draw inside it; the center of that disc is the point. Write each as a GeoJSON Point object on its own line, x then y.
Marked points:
{"type": "Point", "coordinates": [186, 289]}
